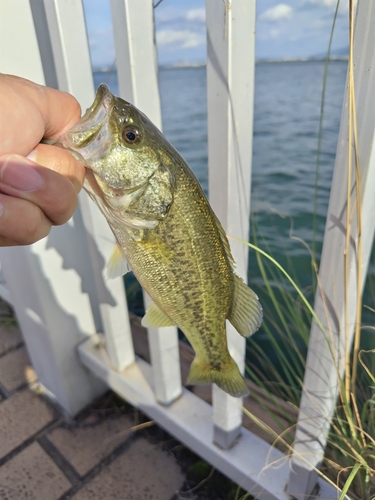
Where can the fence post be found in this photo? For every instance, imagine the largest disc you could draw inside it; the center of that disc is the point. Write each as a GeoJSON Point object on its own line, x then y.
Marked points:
{"type": "Point", "coordinates": [47, 289]}
{"type": "Point", "coordinates": [133, 25]}
{"type": "Point", "coordinates": [67, 30]}
{"type": "Point", "coordinates": [326, 356]}
{"type": "Point", "coordinates": [230, 94]}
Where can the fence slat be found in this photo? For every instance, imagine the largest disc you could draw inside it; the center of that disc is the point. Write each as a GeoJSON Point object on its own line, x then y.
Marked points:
{"type": "Point", "coordinates": [67, 28]}
{"type": "Point", "coordinates": [16, 56]}
{"type": "Point", "coordinates": [137, 66]}
{"type": "Point", "coordinates": [44, 42]}
{"type": "Point", "coordinates": [133, 27]}
{"type": "Point", "coordinates": [230, 89]}
{"type": "Point", "coordinates": [321, 382]}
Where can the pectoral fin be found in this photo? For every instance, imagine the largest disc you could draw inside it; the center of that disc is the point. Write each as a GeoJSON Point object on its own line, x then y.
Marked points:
{"type": "Point", "coordinates": [117, 264]}
{"type": "Point", "coordinates": [159, 248]}
{"type": "Point", "coordinates": [156, 317]}
{"type": "Point", "coordinates": [246, 312]}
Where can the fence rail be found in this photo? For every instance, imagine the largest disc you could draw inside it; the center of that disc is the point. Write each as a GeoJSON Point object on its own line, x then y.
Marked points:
{"type": "Point", "coordinates": [62, 300]}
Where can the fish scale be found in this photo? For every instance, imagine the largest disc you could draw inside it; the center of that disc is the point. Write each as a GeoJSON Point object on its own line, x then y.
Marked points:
{"type": "Point", "coordinates": [167, 231]}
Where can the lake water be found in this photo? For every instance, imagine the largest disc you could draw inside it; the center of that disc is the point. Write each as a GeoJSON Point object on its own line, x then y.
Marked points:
{"type": "Point", "coordinates": [286, 125]}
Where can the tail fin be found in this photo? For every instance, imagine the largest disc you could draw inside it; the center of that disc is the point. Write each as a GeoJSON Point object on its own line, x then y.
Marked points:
{"type": "Point", "coordinates": [228, 378]}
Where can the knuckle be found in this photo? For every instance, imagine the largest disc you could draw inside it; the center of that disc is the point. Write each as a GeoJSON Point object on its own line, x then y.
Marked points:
{"type": "Point", "coordinates": [64, 207]}
{"type": "Point", "coordinates": [36, 228]}
{"type": "Point", "coordinates": [22, 222]}
{"type": "Point", "coordinates": [58, 199]}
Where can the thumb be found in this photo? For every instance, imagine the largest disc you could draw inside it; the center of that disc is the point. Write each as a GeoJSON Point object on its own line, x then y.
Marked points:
{"type": "Point", "coordinates": [60, 161]}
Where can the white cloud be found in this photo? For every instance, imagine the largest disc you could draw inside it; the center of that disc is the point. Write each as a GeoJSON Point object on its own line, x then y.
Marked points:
{"type": "Point", "coordinates": [173, 15]}
{"type": "Point", "coordinates": [278, 13]}
{"type": "Point", "coordinates": [274, 33]}
{"type": "Point", "coordinates": [196, 15]}
{"type": "Point", "coordinates": [343, 9]}
{"type": "Point", "coordinates": [329, 4]}
{"type": "Point", "coordinates": [184, 39]}
{"type": "Point", "coordinates": [320, 3]}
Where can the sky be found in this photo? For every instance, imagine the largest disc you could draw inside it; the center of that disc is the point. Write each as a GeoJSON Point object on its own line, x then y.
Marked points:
{"type": "Point", "coordinates": [284, 30]}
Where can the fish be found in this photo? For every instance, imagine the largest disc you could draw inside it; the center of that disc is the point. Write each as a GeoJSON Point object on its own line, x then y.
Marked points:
{"type": "Point", "coordinates": [166, 233]}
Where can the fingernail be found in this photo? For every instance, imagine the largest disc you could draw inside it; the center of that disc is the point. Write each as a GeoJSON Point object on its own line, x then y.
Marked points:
{"type": "Point", "coordinates": [32, 155]}
{"type": "Point", "coordinates": [20, 174]}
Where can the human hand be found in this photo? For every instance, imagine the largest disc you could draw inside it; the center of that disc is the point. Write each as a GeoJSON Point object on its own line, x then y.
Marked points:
{"type": "Point", "coordinates": [39, 183]}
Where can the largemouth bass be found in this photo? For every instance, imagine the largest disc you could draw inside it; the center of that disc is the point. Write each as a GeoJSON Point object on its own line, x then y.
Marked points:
{"type": "Point", "coordinates": [167, 232]}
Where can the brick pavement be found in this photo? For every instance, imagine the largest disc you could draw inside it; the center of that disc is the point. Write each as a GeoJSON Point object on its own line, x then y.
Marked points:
{"type": "Point", "coordinates": [97, 456]}
{"type": "Point", "coordinates": [102, 453]}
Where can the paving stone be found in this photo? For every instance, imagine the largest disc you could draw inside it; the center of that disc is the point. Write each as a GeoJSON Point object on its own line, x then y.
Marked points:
{"type": "Point", "coordinates": [32, 475]}
{"type": "Point", "coordinates": [142, 472]}
{"type": "Point", "coordinates": [9, 338]}
{"type": "Point", "coordinates": [15, 369]}
{"type": "Point", "coordinates": [21, 416]}
{"type": "Point", "coordinates": [86, 445]}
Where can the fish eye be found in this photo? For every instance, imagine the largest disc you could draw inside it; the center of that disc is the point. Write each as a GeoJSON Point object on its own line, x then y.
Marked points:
{"type": "Point", "coordinates": [131, 136]}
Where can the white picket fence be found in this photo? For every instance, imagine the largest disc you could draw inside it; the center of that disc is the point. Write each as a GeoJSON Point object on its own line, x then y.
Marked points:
{"type": "Point", "coordinates": [75, 323]}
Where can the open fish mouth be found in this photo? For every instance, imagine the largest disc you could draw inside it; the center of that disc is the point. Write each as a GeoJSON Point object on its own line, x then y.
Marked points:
{"type": "Point", "coordinates": [90, 138]}
{"type": "Point", "coordinates": [90, 141]}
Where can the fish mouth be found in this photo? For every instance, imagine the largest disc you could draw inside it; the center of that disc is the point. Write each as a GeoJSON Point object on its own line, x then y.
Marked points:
{"type": "Point", "coordinates": [90, 138]}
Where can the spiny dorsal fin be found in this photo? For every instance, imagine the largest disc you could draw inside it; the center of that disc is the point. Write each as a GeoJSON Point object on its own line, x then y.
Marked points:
{"type": "Point", "coordinates": [156, 317]}
{"type": "Point", "coordinates": [246, 312]}
{"type": "Point", "coordinates": [117, 264]}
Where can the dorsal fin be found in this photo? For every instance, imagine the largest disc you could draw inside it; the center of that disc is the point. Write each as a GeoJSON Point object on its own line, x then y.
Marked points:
{"type": "Point", "coordinates": [224, 241]}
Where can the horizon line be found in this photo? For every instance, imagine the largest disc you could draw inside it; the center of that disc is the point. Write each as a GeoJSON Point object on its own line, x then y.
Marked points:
{"type": "Point", "coordinates": [186, 64]}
